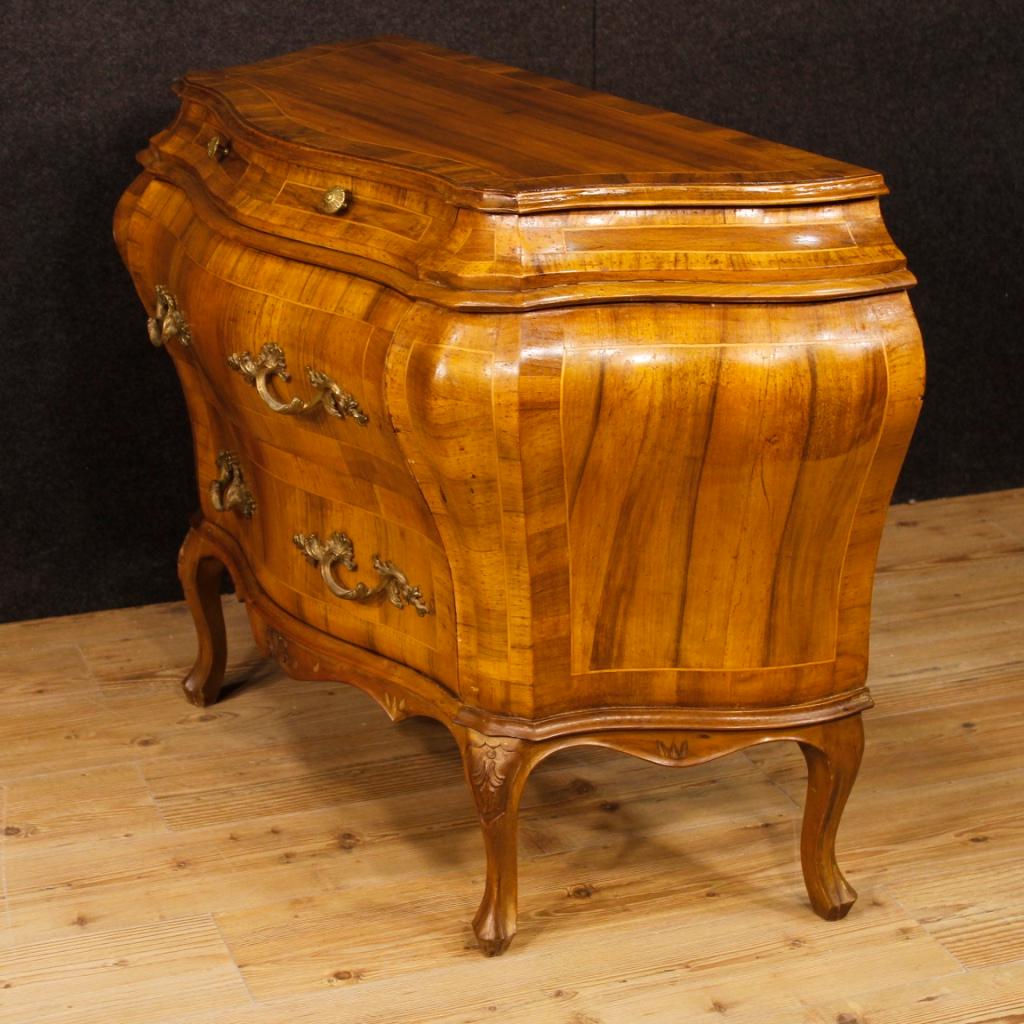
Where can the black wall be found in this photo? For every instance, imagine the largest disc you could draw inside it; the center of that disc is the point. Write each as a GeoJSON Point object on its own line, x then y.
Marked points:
{"type": "Point", "coordinates": [96, 483]}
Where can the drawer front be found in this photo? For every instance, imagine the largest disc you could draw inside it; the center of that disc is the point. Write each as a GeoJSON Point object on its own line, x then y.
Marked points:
{"type": "Point", "coordinates": [295, 352]}
{"type": "Point", "coordinates": [321, 398]}
{"type": "Point", "coordinates": [321, 468]}
{"type": "Point", "coordinates": [256, 187]}
{"type": "Point", "coordinates": [353, 573]}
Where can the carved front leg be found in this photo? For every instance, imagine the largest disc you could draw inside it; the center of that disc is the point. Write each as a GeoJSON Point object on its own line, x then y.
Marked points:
{"type": "Point", "coordinates": [833, 758]}
{"type": "Point", "coordinates": [496, 770]}
{"type": "Point", "coordinates": [200, 572]}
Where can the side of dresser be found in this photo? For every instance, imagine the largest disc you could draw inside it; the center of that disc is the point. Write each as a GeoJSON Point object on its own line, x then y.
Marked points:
{"type": "Point", "coordinates": [309, 468]}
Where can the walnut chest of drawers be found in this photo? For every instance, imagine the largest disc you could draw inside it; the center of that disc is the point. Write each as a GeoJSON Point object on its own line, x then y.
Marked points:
{"type": "Point", "coordinates": [557, 418]}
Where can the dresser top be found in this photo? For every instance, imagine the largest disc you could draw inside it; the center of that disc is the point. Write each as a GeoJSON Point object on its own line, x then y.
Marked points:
{"type": "Point", "coordinates": [500, 138]}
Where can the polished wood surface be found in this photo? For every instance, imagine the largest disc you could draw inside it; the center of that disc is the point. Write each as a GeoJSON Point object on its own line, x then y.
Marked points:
{"type": "Point", "coordinates": [557, 419]}
{"type": "Point", "coordinates": [498, 135]}
{"type": "Point", "coordinates": [667, 501]}
{"type": "Point", "coordinates": [311, 473]}
{"type": "Point", "coordinates": [435, 149]}
{"type": "Point", "coordinates": [289, 854]}
{"type": "Point", "coordinates": [416, 238]}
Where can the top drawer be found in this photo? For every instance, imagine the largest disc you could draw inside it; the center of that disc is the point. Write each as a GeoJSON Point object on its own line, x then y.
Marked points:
{"type": "Point", "coordinates": [294, 356]}
{"type": "Point", "coordinates": [370, 212]}
{"type": "Point", "coordinates": [262, 189]}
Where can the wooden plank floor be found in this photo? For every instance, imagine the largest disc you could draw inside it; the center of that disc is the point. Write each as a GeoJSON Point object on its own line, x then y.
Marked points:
{"type": "Point", "coordinates": [291, 856]}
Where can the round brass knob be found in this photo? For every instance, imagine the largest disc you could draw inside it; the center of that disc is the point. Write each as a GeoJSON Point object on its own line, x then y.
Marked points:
{"type": "Point", "coordinates": [334, 200]}
{"type": "Point", "coordinates": [218, 147]}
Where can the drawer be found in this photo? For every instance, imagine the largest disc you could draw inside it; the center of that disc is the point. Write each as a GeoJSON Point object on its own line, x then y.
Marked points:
{"type": "Point", "coordinates": [294, 369]}
{"type": "Point", "coordinates": [341, 326]}
{"type": "Point", "coordinates": [256, 184]}
{"type": "Point", "coordinates": [310, 471]}
{"type": "Point", "coordinates": [255, 350]}
{"type": "Point", "coordinates": [335, 565]}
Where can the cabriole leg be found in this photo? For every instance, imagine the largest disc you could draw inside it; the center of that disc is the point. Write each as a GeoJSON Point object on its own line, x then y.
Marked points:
{"type": "Point", "coordinates": [496, 770]}
{"type": "Point", "coordinates": [200, 572]}
{"type": "Point", "coordinates": [833, 759]}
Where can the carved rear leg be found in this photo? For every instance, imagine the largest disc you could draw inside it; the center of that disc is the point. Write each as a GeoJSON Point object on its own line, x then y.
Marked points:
{"type": "Point", "coordinates": [832, 763]}
{"type": "Point", "coordinates": [496, 770]}
{"type": "Point", "coordinates": [200, 571]}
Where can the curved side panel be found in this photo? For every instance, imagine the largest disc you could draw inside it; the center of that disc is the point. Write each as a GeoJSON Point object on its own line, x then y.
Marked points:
{"type": "Point", "coordinates": [712, 471]}
{"type": "Point", "coordinates": [452, 383]}
{"type": "Point", "coordinates": [893, 321]}
{"type": "Point", "coordinates": [675, 504]}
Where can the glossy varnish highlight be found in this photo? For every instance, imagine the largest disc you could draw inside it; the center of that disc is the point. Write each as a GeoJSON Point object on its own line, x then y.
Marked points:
{"type": "Point", "coordinates": [619, 400]}
{"type": "Point", "coordinates": [507, 136]}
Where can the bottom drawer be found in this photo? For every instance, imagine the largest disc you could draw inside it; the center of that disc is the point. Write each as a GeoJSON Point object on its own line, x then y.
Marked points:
{"type": "Point", "coordinates": [346, 570]}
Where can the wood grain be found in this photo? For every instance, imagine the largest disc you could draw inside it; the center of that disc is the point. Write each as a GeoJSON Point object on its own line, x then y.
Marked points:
{"type": "Point", "coordinates": [318, 474]}
{"type": "Point", "coordinates": [437, 150]}
{"type": "Point", "coordinates": [501, 133]}
{"type": "Point", "coordinates": [576, 422]}
{"type": "Point", "coordinates": [721, 523]}
{"type": "Point", "coordinates": [646, 894]}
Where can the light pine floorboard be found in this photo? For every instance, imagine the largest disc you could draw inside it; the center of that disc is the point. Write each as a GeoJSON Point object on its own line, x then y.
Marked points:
{"type": "Point", "coordinates": [291, 857]}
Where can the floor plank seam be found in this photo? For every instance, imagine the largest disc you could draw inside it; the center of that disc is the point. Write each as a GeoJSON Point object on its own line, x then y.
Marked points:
{"type": "Point", "coordinates": [141, 769]}
{"type": "Point", "coordinates": [231, 957]}
{"type": "Point", "coordinates": [97, 690]}
{"type": "Point", "coordinates": [4, 899]}
{"type": "Point", "coordinates": [99, 766]}
{"type": "Point", "coordinates": [1013, 534]}
{"type": "Point", "coordinates": [866, 996]}
{"type": "Point", "coordinates": [906, 911]}
{"type": "Point", "coordinates": [877, 714]}
{"type": "Point", "coordinates": [768, 778]}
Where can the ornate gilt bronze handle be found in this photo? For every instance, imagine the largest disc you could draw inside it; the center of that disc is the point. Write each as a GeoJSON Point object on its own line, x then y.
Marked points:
{"type": "Point", "coordinates": [167, 321]}
{"type": "Point", "coordinates": [218, 147]}
{"type": "Point", "coordinates": [335, 200]}
{"type": "Point", "coordinates": [229, 491]}
{"type": "Point", "coordinates": [271, 362]}
{"type": "Point", "coordinates": [339, 548]}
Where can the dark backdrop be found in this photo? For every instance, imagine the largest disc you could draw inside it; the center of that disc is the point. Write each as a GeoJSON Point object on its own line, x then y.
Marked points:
{"type": "Point", "coordinates": [96, 483]}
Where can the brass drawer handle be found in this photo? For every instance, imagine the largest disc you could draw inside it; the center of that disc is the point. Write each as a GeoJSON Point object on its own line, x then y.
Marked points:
{"type": "Point", "coordinates": [270, 362]}
{"type": "Point", "coordinates": [218, 147]}
{"type": "Point", "coordinates": [339, 548]}
{"type": "Point", "coordinates": [167, 320]}
{"type": "Point", "coordinates": [335, 200]}
{"type": "Point", "coordinates": [229, 491]}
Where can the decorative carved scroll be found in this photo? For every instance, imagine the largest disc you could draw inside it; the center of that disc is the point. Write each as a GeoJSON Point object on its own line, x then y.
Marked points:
{"type": "Point", "coordinates": [338, 548]}
{"type": "Point", "coordinates": [168, 321]}
{"type": "Point", "coordinates": [258, 370]}
{"type": "Point", "coordinates": [229, 490]}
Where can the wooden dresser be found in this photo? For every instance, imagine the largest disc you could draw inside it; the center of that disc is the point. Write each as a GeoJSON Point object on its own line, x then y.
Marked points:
{"type": "Point", "coordinates": [555, 417]}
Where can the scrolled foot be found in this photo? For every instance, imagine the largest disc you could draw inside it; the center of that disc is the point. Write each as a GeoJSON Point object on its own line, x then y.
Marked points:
{"type": "Point", "coordinates": [496, 770]}
{"type": "Point", "coordinates": [200, 572]}
{"type": "Point", "coordinates": [836, 905]}
{"type": "Point", "coordinates": [494, 932]}
{"type": "Point", "coordinates": [833, 759]}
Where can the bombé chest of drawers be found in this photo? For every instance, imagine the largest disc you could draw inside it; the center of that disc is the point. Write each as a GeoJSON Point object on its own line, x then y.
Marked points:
{"type": "Point", "coordinates": [560, 419]}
